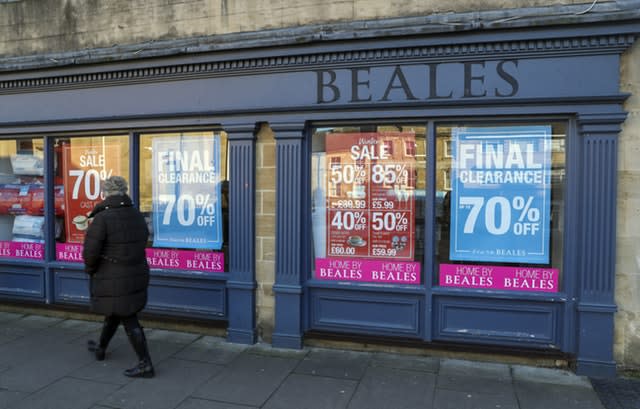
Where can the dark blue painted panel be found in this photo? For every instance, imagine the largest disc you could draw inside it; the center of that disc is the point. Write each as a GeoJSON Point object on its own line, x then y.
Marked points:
{"type": "Point", "coordinates": [505, 322]}
{"type": "Point", "coordinates": [287, 287]}
{"type": "Point", "coordinates": [366, 312]}
{"type": "Point", "coordinates": [318, 84]}
{"type": "Point", "coordinates": [241, 284]}
{"type": "Point", "coordinates": [168, 294]}
{"type": "Point", "coordinates": [22, 282]}
{"type": "Point", "coordinates": [198, 298]}
{"type": "Point", "coordinates": [70, 287]}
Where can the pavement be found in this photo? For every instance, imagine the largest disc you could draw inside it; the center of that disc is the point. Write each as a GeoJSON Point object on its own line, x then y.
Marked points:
{"type": "Point", "coordinates": [44, 364]}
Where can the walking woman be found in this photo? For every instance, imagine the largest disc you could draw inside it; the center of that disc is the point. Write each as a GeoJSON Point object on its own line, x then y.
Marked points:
{"type": "Point", "coordinates": [114, 258]}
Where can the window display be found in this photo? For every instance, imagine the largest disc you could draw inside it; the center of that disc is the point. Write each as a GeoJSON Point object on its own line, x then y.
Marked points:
{"type": "Point", "coordinates": [82, 163]}
{"type": "Point", "coordinates": [22, 199]}
{"type": "Point", "coordinates": [501, 219]}
{"type": "Point", "coordinates": [368, 203]}
{"type": "Point", "coordinates": [184, 196]}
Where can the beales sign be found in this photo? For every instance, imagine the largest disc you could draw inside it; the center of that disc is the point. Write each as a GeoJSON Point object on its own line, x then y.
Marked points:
{"type": "Point", "coordinates": [406, 83]}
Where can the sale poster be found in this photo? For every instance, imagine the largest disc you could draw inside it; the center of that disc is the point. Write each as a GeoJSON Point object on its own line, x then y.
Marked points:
{"type": "Point", "coordinates": [85, 165]}
{"type": "Point", "coordinates": [501, 194]}
{"type": "Point", "coordinates": [370, 195]}
{"type": "Point", "coordinates": [187, 208]}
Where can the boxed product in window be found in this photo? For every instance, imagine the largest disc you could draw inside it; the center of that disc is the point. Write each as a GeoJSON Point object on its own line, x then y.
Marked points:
{"type": "Point", "coordinates": [27, 165]}
{"type": "Point", "coordinates": [28, 227]}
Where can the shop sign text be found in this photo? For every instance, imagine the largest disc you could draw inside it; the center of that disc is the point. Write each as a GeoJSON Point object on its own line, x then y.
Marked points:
{"type": "Point", "coordinates": [406, 83]}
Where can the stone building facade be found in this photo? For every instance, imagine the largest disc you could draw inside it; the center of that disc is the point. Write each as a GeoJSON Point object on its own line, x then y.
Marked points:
{"type": "Point", "coordinates": [43, 38]}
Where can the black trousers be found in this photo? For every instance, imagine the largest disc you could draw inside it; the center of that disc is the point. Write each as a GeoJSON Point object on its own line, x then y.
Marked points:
{"type": "Point", "coordinates": [110, 326]}
{"type": "Point", "coordinates": [129, 322]}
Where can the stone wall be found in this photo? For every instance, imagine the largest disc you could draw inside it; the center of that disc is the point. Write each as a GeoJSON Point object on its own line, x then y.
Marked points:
{"type": "Point", "coordinates": [627, 326]}
{"type": "Point", "coordinates": [39, 26]}
{"type": "Point", "coordinates": [265, 231]}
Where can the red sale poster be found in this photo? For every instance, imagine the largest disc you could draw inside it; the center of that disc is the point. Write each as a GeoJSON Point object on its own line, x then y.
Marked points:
{"type": "Point", "coordinates": [85, 165]}
{"type": "Point", "coordinates": [370, 182]}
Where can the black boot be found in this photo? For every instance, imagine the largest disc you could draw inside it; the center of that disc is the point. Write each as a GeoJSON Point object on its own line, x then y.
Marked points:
{"type": "Point", "coordinates": [144, 368]}
{"type": "Point", "coordinates": [109, 328]}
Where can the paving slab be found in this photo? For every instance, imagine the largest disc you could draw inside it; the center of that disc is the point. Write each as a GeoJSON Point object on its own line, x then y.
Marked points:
{"type": "Point", "coordinates": [177, 337]}
{"type": "Point", "coordinates": [474, 384]}
{"type": "Point", "coordinates": [37, 321]}
{"type": "Point", "coordinates": [336, 364]}
{"type": "Point", "coordinates": [478, 369]}
{"type": "Point", "coordinates": [8, 398]}
{"type": "Point", "coordinates": [42, 367]}
{"type": "Point", "coordinates": [389, 388]}
{"type": "Point", "coordinates": [312, 392]}
{"type": "Point", "coordinates": [210, 349]}
{"type": "Point", "coordinates": [452, 399]}
{"type": "Point", "coordinates": [80, 325]}
{"type": "Point", "coordinates": [553, 376]}
{"type": "Point", "coordinates": [111, 369]}
{"type": "Point", "coordinates": [249, 380]}
{"type": "Point", "coordinates": [67, 393]}
{"type": "Point", "coordinates": [9, 316]}
{"type": "Point", "coordinates": [408, 362]}
{"type": "Point", "coordinates": [174, 382]}
{"type": "Point", "coordinates": [619, 393]}
{"type": "Point", "coordinates": [192, 403]}
{"type": "Point", "coordinates": [542, 395]}
{"type": "Point", "coordinates": [268, 350]}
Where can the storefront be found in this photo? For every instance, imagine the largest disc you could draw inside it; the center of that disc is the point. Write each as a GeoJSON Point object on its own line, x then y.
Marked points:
{"type": "Point", "coordinates": [454, 188]}
{"type": "Point", "coordinates": [179, 180]}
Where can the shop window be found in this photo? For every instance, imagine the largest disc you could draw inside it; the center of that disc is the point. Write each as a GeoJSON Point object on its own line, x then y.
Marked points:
{"type": "Point", "coordinates": [371, 228]}
{"type": "Point", "coordinates": [80, 166]}
{"type": "Point", "coordinates": [184, 195]}
{"type": "Point", "coordinates": [500, 225]}
{"type": "Point", "coordinates": [22, 199]}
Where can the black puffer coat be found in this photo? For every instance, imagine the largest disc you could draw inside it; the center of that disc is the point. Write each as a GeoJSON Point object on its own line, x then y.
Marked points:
{"type": "Point", "coordinates": [114, 257]}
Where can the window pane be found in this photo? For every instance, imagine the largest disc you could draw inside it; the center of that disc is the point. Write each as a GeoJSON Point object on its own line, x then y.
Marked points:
{"type": "Point", "coordinates": [81, 164]}
{"type": "Point", "coordinates": [184, 197]}
{"type": "Point", "coordinates": [500, 206]}
{"type": "Point", "coordinates": [21, 198]}
{"type": "Point", "coordinates": [368, 189]}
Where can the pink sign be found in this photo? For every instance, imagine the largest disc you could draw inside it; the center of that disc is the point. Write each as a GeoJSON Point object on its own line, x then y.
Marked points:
{"type": "Point", "coordinates": [210, 261]}
{"type": "Point", "coordinates": [369, 271]}
{"type": "Point", "coordinates": [69, 252]}
{"type": "Point", "coordinates": [499, 277]}
{"type": "Point", "coordinates": [19, 249]}
{"type": "Point", "coordinates": [158, 258]}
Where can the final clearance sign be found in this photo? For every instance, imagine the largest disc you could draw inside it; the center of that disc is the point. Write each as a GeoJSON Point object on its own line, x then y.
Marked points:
{"type": "Point", "coordinates": [501, 194]}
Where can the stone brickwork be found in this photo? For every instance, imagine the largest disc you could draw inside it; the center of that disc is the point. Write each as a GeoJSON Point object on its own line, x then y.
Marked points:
{"type": "Point", "coordinates": [39, 26]}
{"type": "Point", "coordinates": [627, 326]}
{"type": "Point", "coordinates": [265, 231]}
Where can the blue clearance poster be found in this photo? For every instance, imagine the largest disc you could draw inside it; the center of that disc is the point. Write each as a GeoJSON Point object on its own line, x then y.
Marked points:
{"type": "Point", "coordinates": [187, 210]}
{"type": "Point", "coordinates": [501, 194]}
